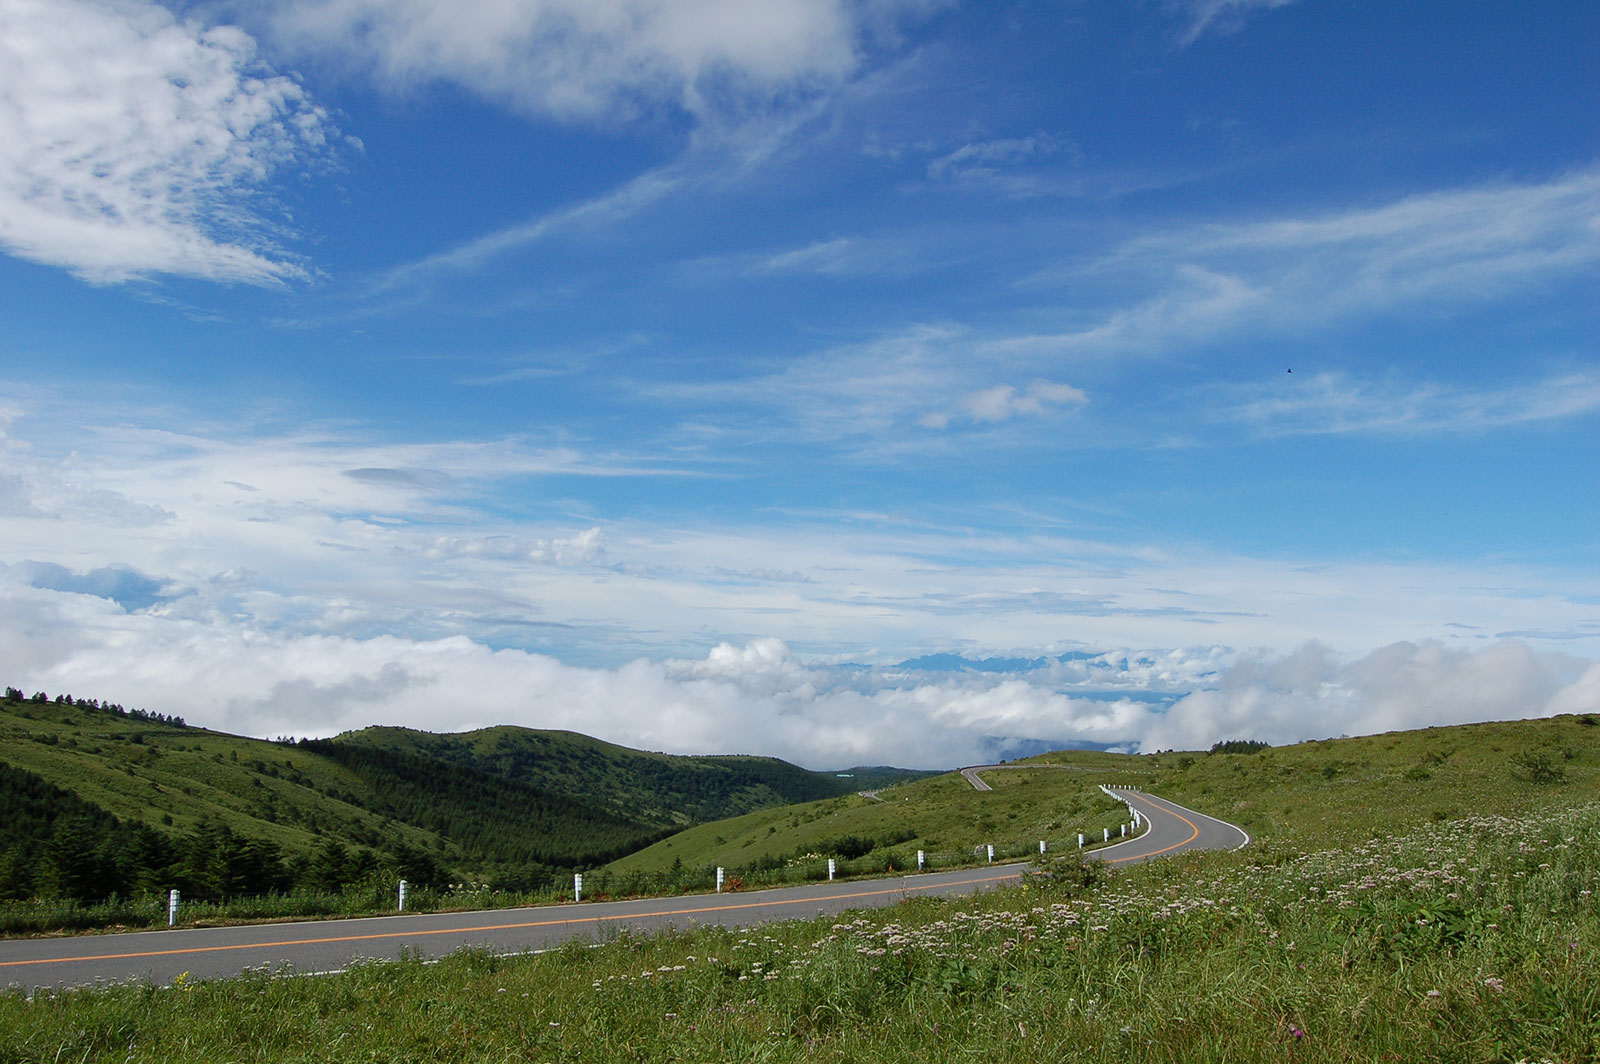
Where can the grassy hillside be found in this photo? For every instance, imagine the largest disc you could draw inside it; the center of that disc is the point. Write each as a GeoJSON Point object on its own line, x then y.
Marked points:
{"type": "Point", "coordinates": [1370, 923]}
{"type": "Point", "coordinates": [122, 802]}
{"type": "Point", "coordinates": [1333, 790]}
{"type": "Point", "coordinates": [1297, 796]}
{"type": "Point", "coordinates": [943, 815]}
{"type": "Point", "coordinates": [659, 790]}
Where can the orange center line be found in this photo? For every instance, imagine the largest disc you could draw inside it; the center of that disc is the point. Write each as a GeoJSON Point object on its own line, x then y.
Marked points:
{"type": "Point", "coordinates": [990, 878]}
{"type": "Point", "coordinates": [1194, 834]}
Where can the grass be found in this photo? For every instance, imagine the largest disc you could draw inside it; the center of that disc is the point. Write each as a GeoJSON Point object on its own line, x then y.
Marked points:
{"type": "Point", "coordinates": [1416, 897]}
{"type": "Point", "coordinates": [1461, 940]}
{"type": "Point", "coordinates": [943, 816]}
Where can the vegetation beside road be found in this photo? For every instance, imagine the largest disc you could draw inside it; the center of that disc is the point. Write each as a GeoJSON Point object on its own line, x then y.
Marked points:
{"type": "Point", "coordinates": [1467, 937]}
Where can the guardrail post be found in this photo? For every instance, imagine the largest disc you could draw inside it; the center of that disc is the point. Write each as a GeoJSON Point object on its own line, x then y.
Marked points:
{"type": "Point", "coordinates": [402, 905]}
{"type": "Point", "coordinates": [172, 907]}
{"type": "Point", "coordinates": [577, 886]}
{"type": "Point", "coordinates": [920, 858]}
{"type": "Point", "coordinates": [719, 879]}
{"type": "Point", "coordinates": [831, 869]}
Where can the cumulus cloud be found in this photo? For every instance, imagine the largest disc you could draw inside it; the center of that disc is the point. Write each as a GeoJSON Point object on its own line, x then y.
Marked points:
{"type": "Point", "coordinates": [758, 697]}
{"type": "Point", "coordinates": [588, 59]}
{"type": "Point", "coordinates": [134, 144]}
{"type": "Point", "coordinates": [1314, 693]}
{"type": "Point", "coordinates": [1004, 402]}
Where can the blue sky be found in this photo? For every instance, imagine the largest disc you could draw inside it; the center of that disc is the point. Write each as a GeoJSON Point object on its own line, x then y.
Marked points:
{"type": "Point", "coordinates": [675, 371]}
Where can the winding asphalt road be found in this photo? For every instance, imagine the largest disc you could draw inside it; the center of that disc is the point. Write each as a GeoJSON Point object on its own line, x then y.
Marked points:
{"type": "Point", "coordinates": [221, 952]}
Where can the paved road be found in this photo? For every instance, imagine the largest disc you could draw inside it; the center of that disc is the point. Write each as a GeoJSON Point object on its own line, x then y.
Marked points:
{"type": "Point", "coordinates": [1172, 829]}
{"type": "Point", "coordinates": [160, 956]}
{"type": "Point", "coordinates": [978, 785]}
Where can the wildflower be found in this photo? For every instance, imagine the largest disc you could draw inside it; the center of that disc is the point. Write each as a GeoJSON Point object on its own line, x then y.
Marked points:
{"type": "Point", "coordinates": [1434, 994]}
{"type": "Point", "coordinates": [1494, 984]}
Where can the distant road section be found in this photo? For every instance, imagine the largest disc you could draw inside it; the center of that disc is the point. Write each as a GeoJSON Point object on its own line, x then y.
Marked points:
{"type": "Point", "coordinates": [972, 777]}
{"type": "Point", "coordinates": [222, 952]}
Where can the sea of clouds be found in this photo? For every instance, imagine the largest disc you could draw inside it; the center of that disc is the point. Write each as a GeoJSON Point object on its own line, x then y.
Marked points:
{"type": "Point", "coordinates": [760, 697]}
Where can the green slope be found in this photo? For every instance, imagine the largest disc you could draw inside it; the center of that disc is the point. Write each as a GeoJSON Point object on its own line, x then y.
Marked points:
{"type": "Point", "coordinates": [504, 804]}
{"type": "Point", "coordinates": [654, 790]}
{"type": "Point", "coordinates": [1306, 794]}
{"type": "Point", "coordinates": [943, 815]}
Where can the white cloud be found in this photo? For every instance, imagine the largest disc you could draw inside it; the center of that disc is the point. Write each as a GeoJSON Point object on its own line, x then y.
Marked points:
{"type": "Point", "coordinates": [586, 548]}
{"type": "Point", "coordinates": [1454, 250]}
{"type": "Point", "coordinates": [1002, 164]}
{"type": "Point", "coordinates": [758, 697]}
{"type": "Point", "coordinates": [1312, 693]}
{"type": "Point", "coordinates": [273, 538]}
{"type": "Point", "coordinates": [1220, 16]}
{"type": "Point", "coordinates": [1329, 403]}
{"type": "Point", "coordinates": [587, 59]}
{"type": "Point", "coordinates": [1003, 402]}
{"type": "Point", "coordinates": [133, 144]}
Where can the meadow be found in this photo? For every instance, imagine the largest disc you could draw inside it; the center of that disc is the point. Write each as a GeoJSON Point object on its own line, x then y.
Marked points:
{"type": "Point", "coordinates": [1433, 914]}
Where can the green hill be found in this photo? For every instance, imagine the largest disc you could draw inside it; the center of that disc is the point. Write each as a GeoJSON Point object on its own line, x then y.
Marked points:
{"type": "Point", "coordinates": [1306, 794]}
{"type": "Point", "coordinates": [658, 790]}
{"type": "Point", "coordinates": [118, 801]}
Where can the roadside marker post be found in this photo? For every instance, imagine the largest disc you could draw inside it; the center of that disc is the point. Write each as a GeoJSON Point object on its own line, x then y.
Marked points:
{"type": "Point", "coordinates": [920, 858]}
{"type": "Point", "coordinates": [991, 853]}
{"type": "Point", "coordinates": [720, 877]}
{"type": "Point", "coordinates": [172, 908]}
{"type": "Point", "coordinates": [1041, 847]}
{"type": "Point", "coordinates": [831, 868]}
{"type": "Point", "coordinates": [1080, 840]}
{"type": "Point", "coordinates": [1124, 830]}
{"type": "Point", "coordinates": [577, 887]}
{"type": "Point", "coordinates": [1108, 836]}
{"type": "Point", "coordinates": [402, 895]}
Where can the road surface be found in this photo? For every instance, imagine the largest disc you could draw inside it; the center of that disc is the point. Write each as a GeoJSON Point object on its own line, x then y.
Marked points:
{"type": "Point", "coordinates": [221, 952]}
{"type": "Point", "coordinates": [971, 774]}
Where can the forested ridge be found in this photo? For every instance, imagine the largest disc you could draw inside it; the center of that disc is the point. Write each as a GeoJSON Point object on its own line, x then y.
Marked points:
{"type": "Point", "coordinates": [103, 800]}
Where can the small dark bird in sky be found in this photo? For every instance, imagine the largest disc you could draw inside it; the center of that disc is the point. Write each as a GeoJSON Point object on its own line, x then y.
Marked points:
{"type": "Point", "coordinates": [1288, 371]}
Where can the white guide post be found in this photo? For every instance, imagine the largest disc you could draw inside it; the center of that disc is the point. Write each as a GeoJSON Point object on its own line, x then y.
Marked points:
{"type": "Point", "coordinates": [577, 886]}
{"type": "Point", "coordinates": [991, 853]}
{"type": "Point", "coordinates": [172, 908]}
{"type": "Point", "coordinates": [402, 895]}
{"type": "Point", "coordinates": [720, 877]}
{"type": "Point", "coordinates": [920, 858]}
{"type": "Point", "coordinates": [831, 869]}
{"type": "Point", "coordinates": [1080, 840]}
{"type": "Point", "coordinates": [1041, 847]}
{"type": "Point", "coordinates": [1108, 836]}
